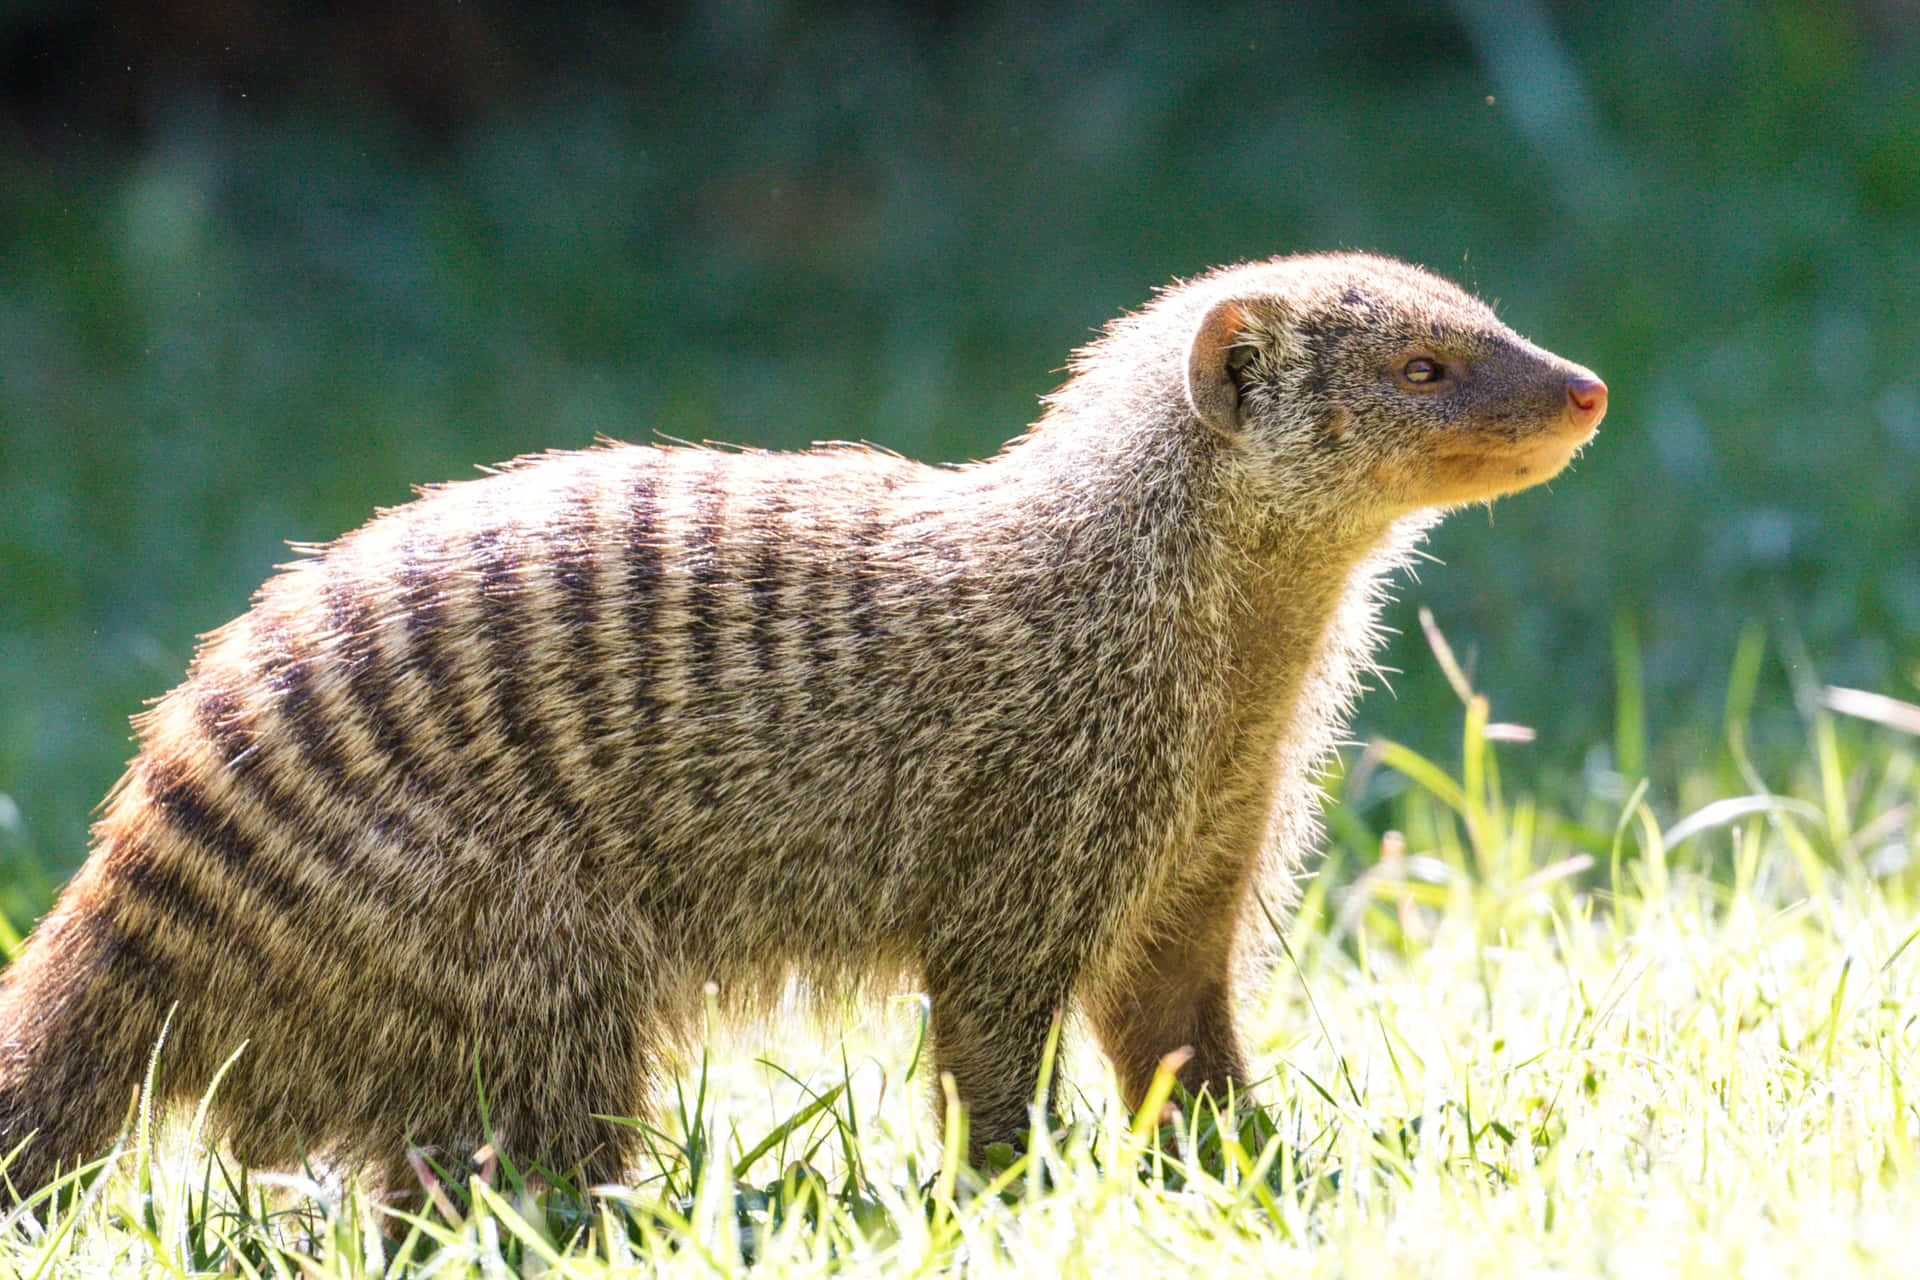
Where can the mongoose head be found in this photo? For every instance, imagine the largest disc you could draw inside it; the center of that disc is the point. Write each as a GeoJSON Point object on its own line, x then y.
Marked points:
{"type": "Point", "coordinates": [1380, 385]}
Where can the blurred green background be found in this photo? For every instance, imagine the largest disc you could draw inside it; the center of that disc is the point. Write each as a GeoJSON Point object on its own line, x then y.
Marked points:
{"type": "Point", "coordinates": [263, 266]}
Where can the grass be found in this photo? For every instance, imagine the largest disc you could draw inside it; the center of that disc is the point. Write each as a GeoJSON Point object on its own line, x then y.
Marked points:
{"type": "Point", "coordinates": [1671, 1028]}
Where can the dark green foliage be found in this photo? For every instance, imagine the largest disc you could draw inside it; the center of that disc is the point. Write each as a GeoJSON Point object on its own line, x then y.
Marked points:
{"type": "Point", "coordinates": [247, 305]}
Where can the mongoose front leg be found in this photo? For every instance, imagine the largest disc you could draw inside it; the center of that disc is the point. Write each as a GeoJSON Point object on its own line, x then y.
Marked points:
{"type": "Point", "coordinates": [1177, 995]}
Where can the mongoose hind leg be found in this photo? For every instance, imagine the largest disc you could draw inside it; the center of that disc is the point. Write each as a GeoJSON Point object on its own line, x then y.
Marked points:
{"type": "Point", "coordinates": [991, 1037]}
{"type": "Point", "coordinates": [440, 1071]}
{"type": "Point", "coordinates": [558, 1114]}
{"type": "Point", "coordinates": [545, 1099]}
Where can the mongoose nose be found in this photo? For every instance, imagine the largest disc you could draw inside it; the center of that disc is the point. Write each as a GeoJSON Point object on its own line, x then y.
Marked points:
{"type": "Point", "coordinates": [1586, 401]}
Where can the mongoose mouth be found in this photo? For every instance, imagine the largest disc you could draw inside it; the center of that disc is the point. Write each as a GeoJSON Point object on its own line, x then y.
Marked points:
{"type": "Point", "coordinates": [1484, 467]}
{"type": "Point", "coordinates": [1451, 480]}
{"type": "Point", "coordinates": [1531, 461]}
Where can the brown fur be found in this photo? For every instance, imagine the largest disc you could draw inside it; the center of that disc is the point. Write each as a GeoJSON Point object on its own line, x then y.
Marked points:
{"type": "Point", "coordinates": [491, 788]}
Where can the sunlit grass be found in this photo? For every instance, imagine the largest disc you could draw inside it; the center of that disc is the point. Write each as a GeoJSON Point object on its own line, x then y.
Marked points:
{"type": "Point", "coordinates": [1672, 1032]}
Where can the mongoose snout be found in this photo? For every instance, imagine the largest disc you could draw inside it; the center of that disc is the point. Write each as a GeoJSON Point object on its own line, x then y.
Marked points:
{"type": "Point", "coordinates": [484, 796]}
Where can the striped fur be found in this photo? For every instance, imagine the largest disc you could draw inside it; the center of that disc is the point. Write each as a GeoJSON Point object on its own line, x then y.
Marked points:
{"type": "Point", "coordinates": [482, 795]}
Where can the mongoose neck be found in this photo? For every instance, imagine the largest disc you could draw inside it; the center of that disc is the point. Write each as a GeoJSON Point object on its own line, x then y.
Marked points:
{"type": "Point", "coordinates": [1097, 452]}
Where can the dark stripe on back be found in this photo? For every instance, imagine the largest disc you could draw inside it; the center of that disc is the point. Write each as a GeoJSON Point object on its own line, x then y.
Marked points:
{"type": "Point", "coordinates": [139, 870]}
{"type": "Point", "coordinates": [821, 607]}
{"type": "Point", "coordinates": [423, 572]}
{"type": "Point", "coordinates": [410, 767]}
{"type": "Point", "coordinates": [420, 598]}
{"type": "Point", "coordinates": [128, 957]}
{"type": "Point", "coordinates": [863, 603]}
{"type": "Point", "coordinates": [644, 572]}
{"type": "Point", "coordinates": [289, 674]}
{"type": "Point", "coordinates": [706, 708]}
{"type": "Point", "coordinates": [179, 798]}
{"type": "Point", "coordinates": [767, 581]}
{"type": "Point", "coordinates": [500, 612]}
{"type": "Point", "coordinates": [223, 719]}
{"type": "Point", "coordinates": [847, 668]}
{"type": "Point", "coordinates": [575, 571]}
{"type": "Point", "coordinates": [369, 683]}
{"type": "Point", "coordinates": [707, 581]}
{"type": "Point", "coordinates": [221, 716]}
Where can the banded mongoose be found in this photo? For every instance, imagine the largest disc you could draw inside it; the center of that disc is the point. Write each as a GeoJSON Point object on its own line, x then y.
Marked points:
{"type": "Point", "coordinates": [484, 794]}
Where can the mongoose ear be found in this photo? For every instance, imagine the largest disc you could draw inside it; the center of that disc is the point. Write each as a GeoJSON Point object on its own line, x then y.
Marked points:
{"type": "Point", "coordinates": [1222, 346]}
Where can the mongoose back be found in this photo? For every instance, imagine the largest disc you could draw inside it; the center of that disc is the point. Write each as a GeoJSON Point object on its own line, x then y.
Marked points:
{"type": "Point", "coordinates": [485, 793]}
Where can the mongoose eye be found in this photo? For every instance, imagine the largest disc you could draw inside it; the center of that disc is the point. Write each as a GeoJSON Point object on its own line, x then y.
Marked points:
{"type": "Point", "coordinates": [1424, 371]}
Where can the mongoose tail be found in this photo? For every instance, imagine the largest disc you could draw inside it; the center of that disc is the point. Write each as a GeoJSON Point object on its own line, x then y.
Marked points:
{"type": "Point", "coordinates": [77, 1026]}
